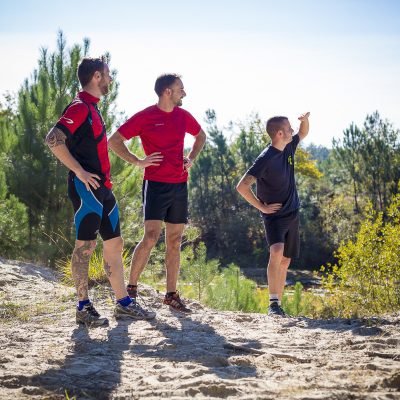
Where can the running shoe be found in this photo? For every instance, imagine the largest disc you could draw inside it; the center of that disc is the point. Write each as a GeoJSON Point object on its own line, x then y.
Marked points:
{"type": "Point", "coordinates": [90, 317]}
{"type": "Point", "coordinates": [275, 309]}
{"type": "Point", "coordinates": [132, 311]}
{"type": "Point", "coordinates": [176, 303]}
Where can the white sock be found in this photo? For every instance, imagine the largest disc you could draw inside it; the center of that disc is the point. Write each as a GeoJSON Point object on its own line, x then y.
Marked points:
{"type": "Point", "coordinates": [274, 298]}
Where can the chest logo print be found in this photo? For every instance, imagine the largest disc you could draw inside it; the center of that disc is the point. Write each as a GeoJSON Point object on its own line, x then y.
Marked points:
{"type": "Point", "coordinates": [290, 160]}
{"type": "Point", "coordinates": [159, 124]}
{"type": "Point", "coordinates": [68, 120]}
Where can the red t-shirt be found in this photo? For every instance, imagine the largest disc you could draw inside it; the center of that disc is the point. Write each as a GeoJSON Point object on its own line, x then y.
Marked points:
{"type": "Point", "coordinates": [164, 132]}
{"type": "Point", "coordinates": [92, 156]}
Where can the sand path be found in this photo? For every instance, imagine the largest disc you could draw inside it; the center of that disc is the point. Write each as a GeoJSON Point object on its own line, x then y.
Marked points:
{"type": "Point", "coordinates": [209, 354]}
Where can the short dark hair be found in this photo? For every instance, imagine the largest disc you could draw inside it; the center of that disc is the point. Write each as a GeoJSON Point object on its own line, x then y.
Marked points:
{"type": "Point", "coordinates": [165, 81]}
{"type": "Point", "coordinates": [274, 124]}
{"type": "Point", "coordinates": [87, 67]}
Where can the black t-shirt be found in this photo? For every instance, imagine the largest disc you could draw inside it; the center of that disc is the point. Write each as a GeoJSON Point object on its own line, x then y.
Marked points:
{"type": "Point", "coordinates": [274, 170]}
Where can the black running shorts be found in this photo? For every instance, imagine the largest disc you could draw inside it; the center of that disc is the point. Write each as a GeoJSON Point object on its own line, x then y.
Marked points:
{"type": "Point", "coordinates": [165, 201]}
{"type": "Point", "coordinates": [96, 211]}
{"type": "Point", "coordinates": [284, 229]}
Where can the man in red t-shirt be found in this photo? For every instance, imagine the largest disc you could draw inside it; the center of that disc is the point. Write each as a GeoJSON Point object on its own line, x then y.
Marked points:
{"type": "Point", "coordinates": [79, 141]}
{"type": "Point", "coordinates": [162, 129]}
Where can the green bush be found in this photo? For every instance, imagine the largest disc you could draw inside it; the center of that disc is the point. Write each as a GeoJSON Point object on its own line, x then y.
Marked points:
{"type": "Point", "coordinates": [13, 221]}
{"type": "Point", "coordinates": [231, 290]}
{"type": "Point", "coordinates": [197, 271]}
{"type": "Point", "coordinates": [301, 302]}
{"type": "Point", "coordinates": [366, 279]}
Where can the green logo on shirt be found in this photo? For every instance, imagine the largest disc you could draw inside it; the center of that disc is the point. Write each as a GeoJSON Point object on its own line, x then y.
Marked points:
{"type": "Point", "coordinates": [290, 161]}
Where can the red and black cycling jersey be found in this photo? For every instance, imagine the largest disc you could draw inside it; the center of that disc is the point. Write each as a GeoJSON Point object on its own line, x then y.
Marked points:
{"type": "Point", "coordinates": [84, 127]}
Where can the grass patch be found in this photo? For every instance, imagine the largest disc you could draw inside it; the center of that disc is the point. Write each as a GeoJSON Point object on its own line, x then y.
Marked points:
{"type": "Point", "coordinates": [12, 311]}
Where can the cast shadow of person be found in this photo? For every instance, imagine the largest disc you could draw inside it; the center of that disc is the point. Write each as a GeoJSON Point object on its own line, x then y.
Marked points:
{"type": "Point", "coordinates": [192, 341]}
{"type": "Point", "coordinates": [92, 369]}
{"type": "Point", "coordinates": [357, 326]}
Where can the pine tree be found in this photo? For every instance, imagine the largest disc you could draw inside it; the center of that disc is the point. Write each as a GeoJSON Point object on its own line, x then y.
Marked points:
{"type": "Point", "coordinates": [34, 175]}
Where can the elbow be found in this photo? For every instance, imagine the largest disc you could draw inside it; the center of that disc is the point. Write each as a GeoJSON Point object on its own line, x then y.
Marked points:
{"type": "Point", "coordinates": [202, 137]}
{"type": "Point", "coordinates": [115, 141]}
{"type": "Point", "coordinates": [111, 142]}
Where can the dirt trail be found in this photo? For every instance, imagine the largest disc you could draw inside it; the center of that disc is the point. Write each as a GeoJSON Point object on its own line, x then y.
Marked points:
{"type": "Point", "coordinates": [210, 354]}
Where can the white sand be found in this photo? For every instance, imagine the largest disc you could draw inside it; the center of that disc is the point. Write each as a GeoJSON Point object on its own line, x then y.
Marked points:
{"type": "Point", "coordinates": [209, 354]}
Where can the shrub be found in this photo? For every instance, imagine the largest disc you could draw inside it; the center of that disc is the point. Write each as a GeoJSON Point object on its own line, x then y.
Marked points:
{"type": "Point", "coordinates": [231, 290]}
{"type": "Point", "coordinates": [366, 279]}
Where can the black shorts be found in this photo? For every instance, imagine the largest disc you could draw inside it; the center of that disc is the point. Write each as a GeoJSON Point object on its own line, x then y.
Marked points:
{"type": "Point", "coordinates": [96, 211]}
{"type": "Point", "coordinates": [165, 201]}
{"type": "Point", "coordinates": [284, 229]}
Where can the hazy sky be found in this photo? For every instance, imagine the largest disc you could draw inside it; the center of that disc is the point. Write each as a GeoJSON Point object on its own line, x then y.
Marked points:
{"type": "Point", "coordinates": [338, 59]}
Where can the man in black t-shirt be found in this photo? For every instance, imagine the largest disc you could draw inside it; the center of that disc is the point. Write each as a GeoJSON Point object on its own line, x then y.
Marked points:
{"type": "Point", "coordinates": [277, 200]}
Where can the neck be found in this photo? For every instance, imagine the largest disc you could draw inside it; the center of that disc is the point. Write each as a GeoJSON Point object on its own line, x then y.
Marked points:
{"type": "Point", "coordinates": [165, 105]}
{"type": "Point", "coordinates": [93, 91]}
{"type": "Point", "coordinates": [278, 144]}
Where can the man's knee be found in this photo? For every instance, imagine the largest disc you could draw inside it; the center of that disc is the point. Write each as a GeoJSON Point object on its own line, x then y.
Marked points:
{"type": "Point", "coordinates": [276, 250]}
{"type": "Point", "coordinates": [285, 262]}
{"type": "Point", "coordinates": [114, 245]}
{"type": "Point", "coordinates": [150, 238]}
{"type": "Point", "coordinates": [174, 241]}
{"type": "Point", "coordinates": [85, 247]}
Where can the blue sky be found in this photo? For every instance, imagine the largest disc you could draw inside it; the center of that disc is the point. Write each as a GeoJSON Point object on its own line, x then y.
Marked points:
{"type": "Point", "coordinates": [338, 59]}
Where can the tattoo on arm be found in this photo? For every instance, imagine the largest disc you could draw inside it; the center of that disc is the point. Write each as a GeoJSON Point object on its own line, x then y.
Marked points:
{"type": "Point", "coordinates": [249, 180]}
{"type": "Point", "coordinates": [107, 268]}
{"type": "Point", "coordinates": [55, 137]}
{"type": "Point", "coordinates": [80, 267]}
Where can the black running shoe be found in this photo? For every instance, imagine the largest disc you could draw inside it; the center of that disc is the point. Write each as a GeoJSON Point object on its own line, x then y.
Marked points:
{"type": "Point", "coordinates": [275, 309]}
{"type": "Point", "coordinates": [176, 303]}
{"type": "Point", "coordinates": [90, 317]}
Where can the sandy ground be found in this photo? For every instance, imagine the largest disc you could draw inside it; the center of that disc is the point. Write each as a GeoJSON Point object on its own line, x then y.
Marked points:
{"type": "Point", "coordinates": [209, 354]}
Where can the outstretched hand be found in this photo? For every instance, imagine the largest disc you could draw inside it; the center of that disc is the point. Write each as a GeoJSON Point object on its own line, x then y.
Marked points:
{"type": "Point", "coordinates": [304, 116]}
{"type": "Point", "coordinates": [153, 159]}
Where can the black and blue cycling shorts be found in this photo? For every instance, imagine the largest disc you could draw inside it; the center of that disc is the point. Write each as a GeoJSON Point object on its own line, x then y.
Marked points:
{"type": "Point", "coordinates": [96, 211]}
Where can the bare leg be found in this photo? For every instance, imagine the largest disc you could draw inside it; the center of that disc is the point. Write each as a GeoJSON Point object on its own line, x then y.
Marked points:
{"type": "Point", "coordinates": [274, 268]}
{"type": "Point", "coordinates": [152, 229]}
{"type": "Point", "coordinates": [173, 239]}
{"type": "Point", "coordinates": [80, 266]}
{"type": "Point", "coordinates": [282, 278]}
{"type": "Point", "coordinates": [113, 265]}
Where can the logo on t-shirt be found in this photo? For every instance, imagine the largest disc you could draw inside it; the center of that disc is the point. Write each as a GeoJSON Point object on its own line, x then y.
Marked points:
{"type": "Point", "coordinates": [159, 124]}
{"type": "Point", "coordinates": [68, 120]}
{"type": "Point", "coordinates": [290, 161]}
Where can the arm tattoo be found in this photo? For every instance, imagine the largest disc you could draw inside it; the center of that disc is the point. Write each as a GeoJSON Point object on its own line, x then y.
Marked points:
{"type": "Point", "coordinates": [249, 179]}
{"type": "Point", "coordinates": [80, 267]}
{"type": "Point", "coordinates": [55, 137]}
{"type": "Point", "coordinates": [107, 268]}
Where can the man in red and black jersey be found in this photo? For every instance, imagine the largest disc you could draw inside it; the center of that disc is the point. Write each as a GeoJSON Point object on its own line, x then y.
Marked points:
{"type": "Point", "coordinates": [162, 129]}
{"type": "Point", "coordinates": [79, 141]}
